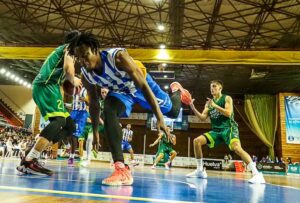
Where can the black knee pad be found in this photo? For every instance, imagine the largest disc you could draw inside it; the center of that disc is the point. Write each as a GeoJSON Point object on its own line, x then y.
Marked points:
{"type": "Point", "coordinates": [52, 130]}
{"type": "Point", "coordinates": [70, 126]}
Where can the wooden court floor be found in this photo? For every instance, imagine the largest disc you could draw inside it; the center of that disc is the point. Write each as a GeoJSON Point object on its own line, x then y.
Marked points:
{"type": "Point", "coordinates": [84, 185]}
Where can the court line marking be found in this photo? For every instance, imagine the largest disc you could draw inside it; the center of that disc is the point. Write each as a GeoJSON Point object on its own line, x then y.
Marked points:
{"type": "Point", "coordinates": [89, 194]}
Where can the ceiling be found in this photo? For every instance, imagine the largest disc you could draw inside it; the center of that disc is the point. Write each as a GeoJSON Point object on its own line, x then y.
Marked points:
{"type": "Point", "coordinates": [189, 24]}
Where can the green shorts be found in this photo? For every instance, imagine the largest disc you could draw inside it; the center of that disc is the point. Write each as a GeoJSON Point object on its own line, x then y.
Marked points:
{"type": "Point", "coordinates": [218, 136]}
{"type": "Point", "coordinates": [163, 149]}
{"type": "Point", "coordinates": [101, 129]}
{"type": "Point", "coordinates": [49, 100]}
{"type": "Point", "coordinates": [89, 129]}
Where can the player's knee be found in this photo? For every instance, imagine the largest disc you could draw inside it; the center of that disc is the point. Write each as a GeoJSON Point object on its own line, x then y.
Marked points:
{"type": "Point", "coordinates": [236, 147]}
{"type": "Point", "coordinates": [70, 125]}
{"type": "Point", "coordinates": [197, 141]}
{"type": "Point", "coordinates": [51, 132]}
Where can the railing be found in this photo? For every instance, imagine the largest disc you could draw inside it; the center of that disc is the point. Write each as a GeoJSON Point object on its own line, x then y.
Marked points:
{"type": "Point", "coordinates": [7, 111]}
{"type": "Point", "coordinates": [10, 102]}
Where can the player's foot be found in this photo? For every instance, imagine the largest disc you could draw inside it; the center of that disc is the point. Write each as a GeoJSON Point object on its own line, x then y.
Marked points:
{"type": "Point", "coordinates": [167, 165]}
{"type": "Point", "coordinates": [257, 179]}
{"type": "Point", "coordinates": [134, 163]}
{"type": "Point", "coordinates": [30, 167]}
{"type": "Point", "coordinates": [185, 95]}
{"type": "Point", "coordinates": [84, 163]}
{"type": "Point", "coordinates": [95, 154]}
{"type": "Point", "coordinates": [153, 166]}
{"type": "Point", "coordinates": [121, 176]}
{"type": "Point", "coordinates": [198, 174]}
{"type": "Point", "coordinates": [71, 162]}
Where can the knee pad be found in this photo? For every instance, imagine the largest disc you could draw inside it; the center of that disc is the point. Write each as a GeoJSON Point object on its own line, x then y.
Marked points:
{"type": "Point", "coordinates": [52, 130]}
{"type": "Point", "coordinates": [70, 125]}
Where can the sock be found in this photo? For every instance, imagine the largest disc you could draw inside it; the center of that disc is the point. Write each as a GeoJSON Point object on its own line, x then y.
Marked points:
{"type": "Point", "coordinates": [199, 164]}
{"type": "Point", "coordinates": [33, 154]}
{"type": "Point", "coordinates": [72, 156]}
{"type": "Point", "coordinates": [253, 169]}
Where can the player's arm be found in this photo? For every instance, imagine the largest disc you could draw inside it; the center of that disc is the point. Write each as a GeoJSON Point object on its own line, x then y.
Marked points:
{"type": "Point", "coordinates": [173, 140]}
{"type": "Point", "coordinates": [126, 63]}
{"type": "Point", "coordinates": [69, 69]}
{"type": "Point", "coordinates": [227, 111]}
{"type": "Point", "coordinates": [94, 109]}
{"type": "Point", "coordinates": [130, 138]}
{"type": "Point", "coordinates": [160, 135]}
{"type": "Point", "coordinates": [202, 116]}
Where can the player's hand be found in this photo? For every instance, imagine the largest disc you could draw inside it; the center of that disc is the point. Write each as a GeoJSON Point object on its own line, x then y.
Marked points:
{"type": "Point", "coordinates": [151, 145]}
{"type": "Point", "coordinates": [161, 126]}
{"type": "Point", "coordinates": [77, 82]}
{"type": "Point", "coordinates": [96, 142]}
{"type": "Point", "coordinates": [211, 103]}
{"type": "Point", "coordinates": [192, 104]}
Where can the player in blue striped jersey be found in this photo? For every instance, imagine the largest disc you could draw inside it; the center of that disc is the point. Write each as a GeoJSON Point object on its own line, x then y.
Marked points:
{"type": "Point", "coordinates": [128, 84]}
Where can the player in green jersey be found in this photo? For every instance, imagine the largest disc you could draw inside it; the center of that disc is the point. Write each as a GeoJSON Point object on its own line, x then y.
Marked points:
{"type": "Point", "coordinates": [47, 96]}
{"type": "Point", "coordinates": [165, 147]}
{"type": "Point", "coordinates": [224, 129]}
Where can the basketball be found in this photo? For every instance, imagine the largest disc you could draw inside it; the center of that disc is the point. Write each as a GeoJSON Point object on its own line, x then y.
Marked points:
{"type": "Point", "coordinates": [68, 88]}
{"type": "Point", "coordinates": [186, 98]}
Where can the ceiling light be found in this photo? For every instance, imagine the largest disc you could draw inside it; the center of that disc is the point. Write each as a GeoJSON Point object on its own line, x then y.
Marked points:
{"type": "Point", "coordinates": [2, 71]}
{"type": "Point", "coordinates": [12, 76]}
{"type": "Point", "coordinates": [21, 81]}
{"type": "Point", "coordinates": [161, 27]}
{"type": "Point", "coordinates": [164, 64]}
{"type": "Point", "coordinates": [7, 74]}
{"type": "Point", "coordinates": [165, 76]}
{"type": "Point", "coordinates": [162, 46]}
{"type": "Point", "coordinates": [166, 87]}
{"type": "Point", "coordinates": [17, 78]}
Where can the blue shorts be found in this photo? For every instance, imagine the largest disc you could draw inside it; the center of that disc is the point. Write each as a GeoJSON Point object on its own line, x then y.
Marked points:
{"type": "Point", "coordinates": [79, 117]}
{"type": "Point", "coordinates": [129, 100]}
{"type": "Point", "coordinates": [126, 145]}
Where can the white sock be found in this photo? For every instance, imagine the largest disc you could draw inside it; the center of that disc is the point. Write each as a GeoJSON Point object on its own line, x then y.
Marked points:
{"type": "Point", "coordinates": [199, 164]}
{"type": "Point", "coordinates": [89, 147]}
{"type": "Point", "coordinates": [72, 156]}
{"type": "Point", "coordinates": [33, 154]}
{"type": "Point", "coordinates": [253, 168]}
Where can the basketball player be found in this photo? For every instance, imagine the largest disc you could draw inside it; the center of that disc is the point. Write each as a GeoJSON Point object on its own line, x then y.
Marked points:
{"type": "Point", "coordinates": [224, 129]}
{"type": "Point", "coordinates": [127, 138]}
{"type": "Point", "coordinates": [165, 147]}
{"type": "Point", "coordinates": [47, 96]}
{"type": "Point", "coordinates": [88, 134]}
{"type": "Point", "coordinates": [128, 83]}
{"type": "Point", "coordinates": [79, 115]}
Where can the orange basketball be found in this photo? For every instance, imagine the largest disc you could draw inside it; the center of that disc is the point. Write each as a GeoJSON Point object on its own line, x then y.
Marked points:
{"type": "Point", "coordinates": [186, 97]}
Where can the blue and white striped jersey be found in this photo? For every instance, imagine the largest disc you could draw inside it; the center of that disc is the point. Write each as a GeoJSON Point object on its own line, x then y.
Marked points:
{"type": "Point", "coordinates": [77, 104]}
{"type": "Point", "coordinates": [126, 134]}
{"type": "Point", "coordinates": [111, 78]}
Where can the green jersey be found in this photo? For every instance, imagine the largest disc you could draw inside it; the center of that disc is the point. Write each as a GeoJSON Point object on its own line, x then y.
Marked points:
{"type": "Point", "coordinates": [101, 102]}
{"type": "Point", "coordinates": [52, 69]}
{"type": "Point", "coordinates": [164, 141]}
{"type": "Point", "coordinates": [218, 120]}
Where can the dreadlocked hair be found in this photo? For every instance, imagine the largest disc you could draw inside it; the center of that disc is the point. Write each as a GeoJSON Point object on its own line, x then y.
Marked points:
{"type": "Point", "coordinates": [70, 36]}
{"type": "Point", "coordinates": [85, 38]}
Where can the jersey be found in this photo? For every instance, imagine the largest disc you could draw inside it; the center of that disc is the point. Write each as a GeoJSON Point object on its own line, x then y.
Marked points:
{"type": "Point", "coordinates": [79, 105]}
{"type": "Point", "coordinates": [218, 120]}
{"type": "Point", "coordinates": [112, 78]}
{"type": "Point", "coordinates": [165, 142]}
{"type": "Point", "coordinates": [52, 69]}
{"type": "Point", "coordinates": [101, 103]}
{"type": "Point", "coordinates": [127, 134]}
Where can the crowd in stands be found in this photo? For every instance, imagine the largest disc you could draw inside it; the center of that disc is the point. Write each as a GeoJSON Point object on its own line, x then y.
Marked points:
{"type": "Point", "coordinates": [15, 141]}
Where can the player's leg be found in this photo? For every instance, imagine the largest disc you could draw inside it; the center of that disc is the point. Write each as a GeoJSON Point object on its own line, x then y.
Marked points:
{"type": "Point", "coordinates": [158, 158]}
{"type": "Point", "coordinates": [172, 154]}
{"type": "Point", "coordinates": [199, 142]}
{"type": "Point", "coordinates": [113, 108]}
{"type": "Point", "coordinates": [231, 137]}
